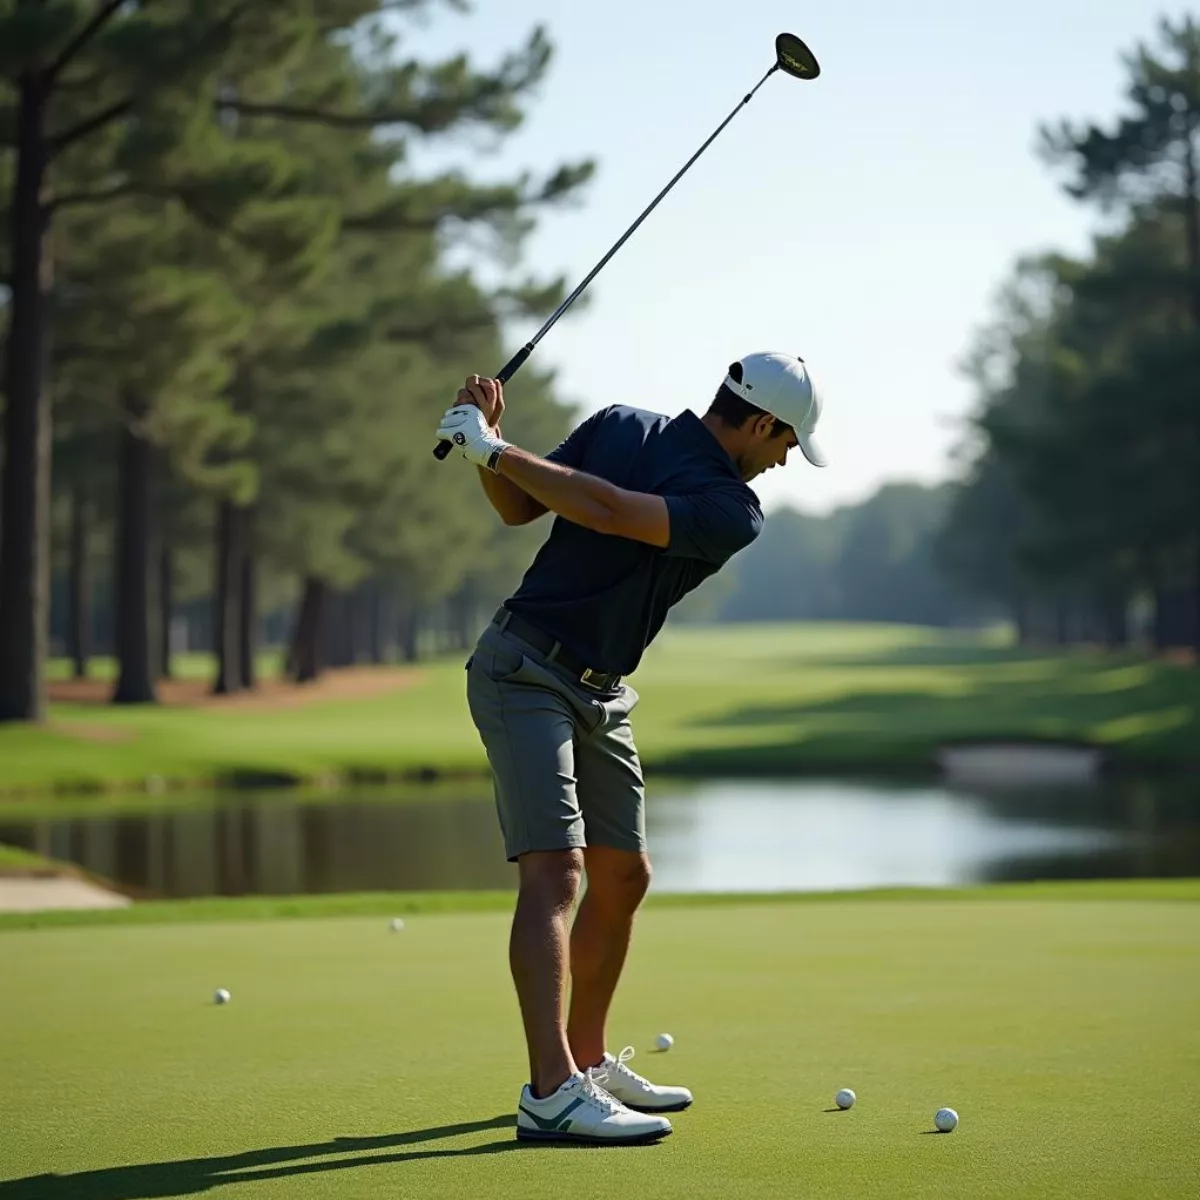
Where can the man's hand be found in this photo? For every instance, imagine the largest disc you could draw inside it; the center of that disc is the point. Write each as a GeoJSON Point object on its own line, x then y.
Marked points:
{"type": "Point", "coordinates": [487, 395]}
{"type": "Point", "coordinates": [466, 427]}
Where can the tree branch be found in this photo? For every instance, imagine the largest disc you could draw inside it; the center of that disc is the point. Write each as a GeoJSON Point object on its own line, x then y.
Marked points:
{"type": "Point", "coordinates": [62, 140]}
{"type": "Point", "coordinates": [99, 19]}
{"type": "Point", "coordinates": [101, 194]}
{"type": "Point", "coordinates": [439, 330]}
{"type": "Point", "coordinates": [317, 116]}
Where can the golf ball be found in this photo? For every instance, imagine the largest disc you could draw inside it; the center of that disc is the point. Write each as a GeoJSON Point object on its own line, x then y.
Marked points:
{"type": "Point", "coordinates": [664, 1041]}
{"type": "Point", "coordinates": [845, 1098]}
{"type": "Point", "coordinates": [221, 996]}
{"type": "Point", "coordinates": [397, 924]}
{"type": "Point", "coordinates": [945, 1119]}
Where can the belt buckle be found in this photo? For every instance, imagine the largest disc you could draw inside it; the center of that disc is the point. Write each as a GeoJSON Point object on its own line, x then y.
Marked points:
{"type": "Point", "coordinates": [591, 679]}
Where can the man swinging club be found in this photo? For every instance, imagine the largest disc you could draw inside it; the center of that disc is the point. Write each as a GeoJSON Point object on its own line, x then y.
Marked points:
{"type": "Point", "coordinates": [647, 508]}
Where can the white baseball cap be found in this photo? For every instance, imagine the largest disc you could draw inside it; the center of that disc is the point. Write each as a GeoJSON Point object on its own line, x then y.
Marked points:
{"type": "Point", "coordinates": [781, 385]}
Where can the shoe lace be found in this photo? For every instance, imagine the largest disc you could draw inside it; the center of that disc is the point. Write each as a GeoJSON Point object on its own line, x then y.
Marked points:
{"type": "Point", "coordinates": [619, 1064]}
{"type": "Point", "coordinates": [590, 1086]}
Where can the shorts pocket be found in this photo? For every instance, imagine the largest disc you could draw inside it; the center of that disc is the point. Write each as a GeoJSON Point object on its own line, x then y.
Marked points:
{"type": "Point", "coordinates": [499, 663]}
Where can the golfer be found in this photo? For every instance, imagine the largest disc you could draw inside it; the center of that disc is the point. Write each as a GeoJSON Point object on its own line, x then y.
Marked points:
{"type": "Point", "coordinates": [647, 508]}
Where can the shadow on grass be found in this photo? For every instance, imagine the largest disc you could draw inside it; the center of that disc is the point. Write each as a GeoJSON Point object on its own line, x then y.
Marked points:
{"type": "Point", "coordinates": [192, 1176]}
{"type": "Point", "coordinates": [942, 654]}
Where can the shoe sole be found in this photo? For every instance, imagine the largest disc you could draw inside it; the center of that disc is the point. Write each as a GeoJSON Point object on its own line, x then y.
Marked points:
{"type": "Point", "coordinates": [553, 1135]}
{"type": "Point", "coordinates": [671, 1108]}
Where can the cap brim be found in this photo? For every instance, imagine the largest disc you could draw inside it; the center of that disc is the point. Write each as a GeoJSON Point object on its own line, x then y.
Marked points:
{"type": "Point", "coordinates": [811, 449]}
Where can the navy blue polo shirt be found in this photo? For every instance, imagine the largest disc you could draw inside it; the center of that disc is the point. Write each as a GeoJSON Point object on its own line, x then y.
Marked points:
{"type": "Point", "coordinates": [604, 597]}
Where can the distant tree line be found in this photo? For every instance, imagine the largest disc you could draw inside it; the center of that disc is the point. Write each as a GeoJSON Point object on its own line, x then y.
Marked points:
{"type": "Point", "coordinates": [1081, 499]}
{"type": "Point", "coordinates": [1077, 512]}
{"type": "Point", "coordinates": [874, 561]}
{"type": "Point", "coordinates": [232, 313]}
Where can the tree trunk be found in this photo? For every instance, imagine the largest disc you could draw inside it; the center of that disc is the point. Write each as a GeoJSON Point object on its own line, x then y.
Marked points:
{"type": "Point", "coordinates": [410, 633]}
{"type": "Point", "coordinates": [1195, 605]}
{"type": "Point", "coordinates": [338, 634]}
{"type": "Point", "coordinates": [166, 603]}
{"type": "Point", "coordinates": [1116, 621]}
{"type": "Point", "coordinates": [376, 605]}
{"type": "Point", "coordinates": [1161, 622]}
{"type": "Point", "coordinates": [1020, 620]}
{"type": "Point", "coordinates": [248, 606]}
{"type": "Point", "coordinates": [25, 506]}
{"type": "Point", "coordinates": [1191, 170]}
{"type": "Point", "coordinates": [79, 617]}
{"type": "Point", "coordinates": [464, 618]}
{"type": "Point", "coordinates": [131, 601]}
{"type": "Point", "coordinates": [226, 606]}
{"type": "Point", "coordinates": [304, 655]}
{"type": "Point", "coordinates": [1062, 622]}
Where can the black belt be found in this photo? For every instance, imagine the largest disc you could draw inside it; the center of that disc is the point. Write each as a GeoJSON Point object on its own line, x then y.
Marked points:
{"type": "Point", "coordinates": [598, 681]}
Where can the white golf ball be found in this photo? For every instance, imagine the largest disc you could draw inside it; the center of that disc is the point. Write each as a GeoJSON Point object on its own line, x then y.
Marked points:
{"type": "Point", "coordinates": [664, 1041]}
{"type": "Point", "coordinates": [945, 1119]}
{"type": "Point", "coordinates": [845, 1098]}
{"type": "Point", "coordinates": [397, 924]}
{"type": "Point", "coordinates": [221, 996]}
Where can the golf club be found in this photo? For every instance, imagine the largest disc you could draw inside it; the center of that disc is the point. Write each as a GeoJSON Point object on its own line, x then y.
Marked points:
{"type": "Point", "coordinates": [792, 57]}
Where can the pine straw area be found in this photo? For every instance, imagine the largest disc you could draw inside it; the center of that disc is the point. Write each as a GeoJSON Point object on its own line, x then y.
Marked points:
{"type": "Point", "coordinates": [270, 693]}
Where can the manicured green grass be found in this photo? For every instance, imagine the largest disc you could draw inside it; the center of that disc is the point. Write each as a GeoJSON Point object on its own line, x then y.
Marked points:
{"type": "Point", "coordinates": [358, 1062]}
{"type": "Point", "coordinates": [14, 860]}
{"type": "Point", "coordinates": [761, 699]}
{"type": "Point", "coordinates": [361, 904]}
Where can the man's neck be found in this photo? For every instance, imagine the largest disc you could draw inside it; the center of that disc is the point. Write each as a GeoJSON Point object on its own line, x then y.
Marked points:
{"type": "Point", "coordinates": [724, 435]}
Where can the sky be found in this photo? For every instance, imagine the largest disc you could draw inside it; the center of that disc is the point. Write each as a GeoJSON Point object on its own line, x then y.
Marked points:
{"type": "Point", "coordinates": [862, 221]}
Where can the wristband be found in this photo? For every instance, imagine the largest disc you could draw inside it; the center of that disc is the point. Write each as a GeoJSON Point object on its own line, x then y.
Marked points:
{"type": "Point", "coordinates": [493, 460]}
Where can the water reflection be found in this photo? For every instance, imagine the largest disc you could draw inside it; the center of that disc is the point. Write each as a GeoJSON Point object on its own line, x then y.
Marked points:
{"type": "Point", "coordinates": [726, 835]}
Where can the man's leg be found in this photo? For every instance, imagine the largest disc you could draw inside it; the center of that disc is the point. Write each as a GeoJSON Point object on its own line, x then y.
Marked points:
{"type": "Point", "coordinates": [617, 881]}
{"type": "Point", "coordinates": [539, 958]}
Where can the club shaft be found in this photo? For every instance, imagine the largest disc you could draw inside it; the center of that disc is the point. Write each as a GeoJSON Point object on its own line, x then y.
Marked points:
{"type": "Point", "coordinates": [562, 308]}
{"type": "Point", "coordinates": [515, 363]}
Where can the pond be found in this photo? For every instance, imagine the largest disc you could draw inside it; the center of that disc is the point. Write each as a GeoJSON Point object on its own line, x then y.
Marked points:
{"type": "Point", "coordinates": [725, 835]}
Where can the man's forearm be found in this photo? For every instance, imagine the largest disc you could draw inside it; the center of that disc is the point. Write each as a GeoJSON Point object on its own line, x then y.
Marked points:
{"type": "Point", "coordinates": [581, 498]}
{"type": "Point", "coordinates": [514, 506]}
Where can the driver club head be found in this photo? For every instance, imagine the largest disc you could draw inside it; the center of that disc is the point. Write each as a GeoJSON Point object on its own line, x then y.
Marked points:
{"type": "Point", "coordinates": [795, 58]}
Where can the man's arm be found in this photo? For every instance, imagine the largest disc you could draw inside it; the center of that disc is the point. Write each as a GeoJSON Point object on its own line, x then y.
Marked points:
{"type": "Point", "coordinates": [523, 486]}
{"type": "Point", "coordinates": [514, 506]}
{"type": "Point", "coordinates": [586, 499]}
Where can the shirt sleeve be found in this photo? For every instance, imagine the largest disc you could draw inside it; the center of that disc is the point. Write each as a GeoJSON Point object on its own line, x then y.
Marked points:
{"type": "Point", "coordinates": [571, 450]}
{"type": "Point", "coordinates": [712, 526]}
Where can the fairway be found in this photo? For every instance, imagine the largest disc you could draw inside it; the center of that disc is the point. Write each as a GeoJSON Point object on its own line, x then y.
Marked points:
{"type": "Point", "coordinates": [358, 1062]}
{"type": "Point", "coordinates": [720, 699]}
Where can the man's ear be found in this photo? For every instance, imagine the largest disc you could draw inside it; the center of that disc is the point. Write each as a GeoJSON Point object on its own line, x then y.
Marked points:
{"type": "Point", "coordinates": [763, 425]}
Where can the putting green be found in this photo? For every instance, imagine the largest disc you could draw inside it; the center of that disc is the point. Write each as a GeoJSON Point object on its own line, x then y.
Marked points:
{"type": "Point", "coordinates": [357, 1062]}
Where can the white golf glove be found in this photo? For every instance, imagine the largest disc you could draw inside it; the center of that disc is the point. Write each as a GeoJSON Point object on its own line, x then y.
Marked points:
{"type": "Point", "coordinates": [465, 426]}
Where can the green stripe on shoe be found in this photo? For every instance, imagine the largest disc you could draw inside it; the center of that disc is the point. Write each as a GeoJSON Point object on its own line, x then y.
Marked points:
{"type": "Point", "coordinates": [557, 1124]}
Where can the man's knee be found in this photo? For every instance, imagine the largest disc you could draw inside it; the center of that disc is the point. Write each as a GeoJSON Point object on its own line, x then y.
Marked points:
{"type": "Point", "coordinates": [550, 877]}
{"type": "Point", "coordinates": [618, 878]}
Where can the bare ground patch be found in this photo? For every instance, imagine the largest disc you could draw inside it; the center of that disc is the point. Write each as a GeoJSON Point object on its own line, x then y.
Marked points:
{"type": "Point", "coordinates": [271, 694]}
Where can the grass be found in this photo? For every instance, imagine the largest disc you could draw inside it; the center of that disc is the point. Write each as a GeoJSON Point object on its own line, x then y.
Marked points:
{"type": "Point", "coordinates": [15, 861]}
{"type": "Point", "coordinates": [357, 1062]}
{"type": "Point", "coordinates": [360, 904]}
{"type": "Point", "coordinates": [749, 699]}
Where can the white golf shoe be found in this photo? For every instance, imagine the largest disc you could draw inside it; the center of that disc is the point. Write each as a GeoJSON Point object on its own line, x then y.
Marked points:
{"type": "Point", "coordinates": [582, 1111]}
{"type": "Point", "coordinates": [635, 1092]}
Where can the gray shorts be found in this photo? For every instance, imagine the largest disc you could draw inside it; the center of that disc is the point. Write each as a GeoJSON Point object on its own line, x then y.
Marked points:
{"type": "Point", "coordinates": [565, 769]}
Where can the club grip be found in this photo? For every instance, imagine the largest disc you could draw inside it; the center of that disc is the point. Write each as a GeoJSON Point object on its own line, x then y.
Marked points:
{"type": "Point", "coordinates": [515, 363]}
{"type": "Point", "coordinates": [507, 371]}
